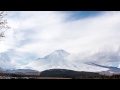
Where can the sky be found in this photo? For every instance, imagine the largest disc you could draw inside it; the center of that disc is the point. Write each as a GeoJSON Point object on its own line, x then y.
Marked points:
{"type": "Point", "coordinates": [90, 35]}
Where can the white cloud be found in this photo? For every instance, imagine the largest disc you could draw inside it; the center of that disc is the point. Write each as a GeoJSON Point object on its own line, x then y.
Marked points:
{"type": "Point", "coordinates": [39, 33]}
{"type": "Point", "coordinates": [9, 64]}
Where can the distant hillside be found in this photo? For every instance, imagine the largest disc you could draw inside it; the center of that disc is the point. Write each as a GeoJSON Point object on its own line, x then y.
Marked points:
{"type": "Point", "coordinates": [23, 71]}
{"type": "Point", "coordinates": [65, 73]}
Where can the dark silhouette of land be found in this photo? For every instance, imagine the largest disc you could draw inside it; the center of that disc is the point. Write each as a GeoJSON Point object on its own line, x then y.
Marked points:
{"type": "Point", "coordinates": [59, 74]}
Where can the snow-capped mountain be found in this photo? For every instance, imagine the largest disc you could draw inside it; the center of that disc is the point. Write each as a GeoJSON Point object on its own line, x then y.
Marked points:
{"type": "Point", "coordinates": [58, 59]}
{"type": "Point", "coordinates": [55, 60]}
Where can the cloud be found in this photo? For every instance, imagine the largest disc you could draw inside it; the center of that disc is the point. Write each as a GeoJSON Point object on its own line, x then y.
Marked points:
{"type": "Point", "coordinates": [36, 34]}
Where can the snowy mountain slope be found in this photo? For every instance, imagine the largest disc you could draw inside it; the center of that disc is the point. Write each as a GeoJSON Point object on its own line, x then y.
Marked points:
{"type": "Point", "coordinates": [58, 59]}
{"type": "Point", "coordinates": [114, 70]}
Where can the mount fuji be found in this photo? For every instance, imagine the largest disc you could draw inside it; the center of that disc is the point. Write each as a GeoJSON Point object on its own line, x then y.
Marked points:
{"type": "Point", "coordinates": [58, 60]}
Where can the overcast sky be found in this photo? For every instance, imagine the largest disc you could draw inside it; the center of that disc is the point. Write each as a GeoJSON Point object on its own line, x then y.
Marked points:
{"type": "Point", "coordinates": [35, 34]}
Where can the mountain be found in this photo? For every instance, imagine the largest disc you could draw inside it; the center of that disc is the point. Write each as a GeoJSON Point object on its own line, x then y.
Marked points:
{"type": "Point", "coordinates": [58, 60]}
{"type": "Point", "coordinates": [55, 60]}
{"type": "Point", "coordinates": [20, 70]}
{"type": "Point", "coordinates": [23, 71]}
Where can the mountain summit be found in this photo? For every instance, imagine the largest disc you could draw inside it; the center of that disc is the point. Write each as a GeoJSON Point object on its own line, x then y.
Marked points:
{"type": "Point", "coordinates": [58, 54]}
{"type": "Point", "coordinates": [60, 51]}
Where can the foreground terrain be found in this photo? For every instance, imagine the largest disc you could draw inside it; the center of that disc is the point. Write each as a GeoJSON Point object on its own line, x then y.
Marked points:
{"type": "Point", "coordinates": [58, 74]}
{"type": "Point", "coordinates": [87, 77]}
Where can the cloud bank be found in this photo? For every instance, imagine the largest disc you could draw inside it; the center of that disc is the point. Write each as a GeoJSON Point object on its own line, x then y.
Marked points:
{"type": "Point", "coordinates": [35, 34]}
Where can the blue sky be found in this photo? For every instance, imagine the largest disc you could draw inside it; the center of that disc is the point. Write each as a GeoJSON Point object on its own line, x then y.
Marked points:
{"type": "Point", "coordinates": [35, 34]}
{"type": "Point", "coordinates": [76, 15]}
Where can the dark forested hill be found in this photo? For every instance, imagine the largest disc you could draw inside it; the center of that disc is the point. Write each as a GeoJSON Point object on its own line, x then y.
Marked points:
{"type": "Point", "coordinates": [65, 73]}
